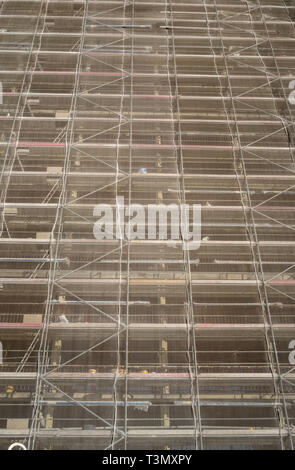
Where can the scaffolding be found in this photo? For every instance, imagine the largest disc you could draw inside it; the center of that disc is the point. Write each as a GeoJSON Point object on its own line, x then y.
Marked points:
{"type": "Point", "coordinates": [141, 344]}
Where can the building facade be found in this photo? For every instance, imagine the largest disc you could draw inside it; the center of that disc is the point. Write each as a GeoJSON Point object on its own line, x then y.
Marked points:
{"type": "Point", "coordinates": [122, 342]}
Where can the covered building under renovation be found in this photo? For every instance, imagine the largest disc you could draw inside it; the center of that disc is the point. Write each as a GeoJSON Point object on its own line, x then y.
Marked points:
{"type": "Point", "coordinates": [124, 342]}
